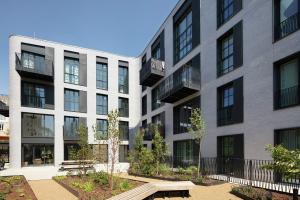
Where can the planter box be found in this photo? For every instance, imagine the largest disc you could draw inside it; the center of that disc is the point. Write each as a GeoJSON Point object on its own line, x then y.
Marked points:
{"type": "Point", "coordinates": [240, 195]}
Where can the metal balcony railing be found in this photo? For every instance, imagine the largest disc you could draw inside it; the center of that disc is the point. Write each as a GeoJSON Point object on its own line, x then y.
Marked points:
{"type": "Point", "coordinates": [287, 26]}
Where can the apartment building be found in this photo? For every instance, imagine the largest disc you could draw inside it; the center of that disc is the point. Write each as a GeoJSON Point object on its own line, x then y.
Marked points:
{"type": "Point", "coordinates": [54, 88]}
{"type": "Point", "coordinates": [236, 60]}
{"type": "Point", "coordinates": [4, 128]}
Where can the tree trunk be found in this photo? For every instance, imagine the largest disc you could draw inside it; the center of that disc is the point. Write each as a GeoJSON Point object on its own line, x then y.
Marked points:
{"type": "Point", "coordinates": [111, 174]}
{"type": "Point", "coordinates": [199, 159]}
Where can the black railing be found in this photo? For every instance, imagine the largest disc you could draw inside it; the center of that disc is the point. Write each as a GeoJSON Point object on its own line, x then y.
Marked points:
{"type": "Point", "coordinates": [287, 26]}
{"type": "Point", "coordinates": [225, 115]}
{"type": "Point", "coordinates": [33, 101]}
{"type": "Point", "coordinates": [288, 97]}
{"type": "Point", "coordinates": [148, 130]}
{"type": "Point", "coordinates": [152, 65]}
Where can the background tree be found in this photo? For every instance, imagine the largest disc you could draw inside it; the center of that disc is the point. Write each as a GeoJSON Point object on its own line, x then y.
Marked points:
{"type": "Point", "coordinates": [159, 147]}
{"type": "Point", "coordinates": [135, 153]}
{"type": "Point", "coordinates": [84, 154]}
{"type": "Point", "coordinates": [197, 130]}
{"type": "Point", "coordinates": [113, 137]}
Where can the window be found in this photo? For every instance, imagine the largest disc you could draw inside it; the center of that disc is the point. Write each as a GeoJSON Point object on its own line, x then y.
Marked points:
{"type": "Point", "coordinates": [144, 105]}
{"type": "Point", "coordinates": [156, 52]}
{"type": "Point", "coordinates": [230, 50]}
{"type": "Point", "coordinates": [72, 100]}
{"type": "Point", "coordinates": [144, 60]}
{"type": "Point", "coordinates": [101, 76]}
{"type": "Point", "coordinates": [286, 17]}
{"type": "Point", "coordinates": [71, 126]}
{"type": "Point", "coordinates": [227, 9]}
{"type": "Point", "coordinates": [185, 153]}
{"type": "Point", "coordinates": [123, 153]}
{"type": "Point", "coordinates": [72, 71]}
{"type": "Point", "coordinates": [182, 114]}
{"type": "Point", "coordinates": [183, 36]}
{"type": "Point", "coordinates": [230, 146]}
{"type": "Point", "coordinates": [69, 150]}
{"type": "Point", "coordinates": [124, 130]}
{"type": "Point", "coordinates": [101, 152]}
{"type": "Point", "coordinates": [37, 125]}
{"type": "Point", "coordinates": [37, 154]}
{"type": "Point", "coordinates": [287, 82]}
{"type": "Point", "coordinates": [230, 103]}
{"type": "Point", "coordinates": [33, 61]}
{"type": "Point", "coordinates": [123, 80]}
{"type": "Point", "coordinates": [144, 123]}
{"type": "Point", "coordinates": [102, 104]}
{"type": "Point", "coordinates": [156, 103]}
{"type": "Point", "coordinates": [33, 95]}
{"type": "Point", "coordinates": [102, 127]}
{"type": "Point", "coordinates": [1, 127]}
{"type": "Point", "coordinates": [289, 138]}
{"type": "Point", "coordinates": [123, 107]}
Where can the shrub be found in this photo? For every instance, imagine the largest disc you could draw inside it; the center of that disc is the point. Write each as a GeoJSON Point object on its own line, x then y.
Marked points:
{"type": "Point", "coordinates": [192, 170]}
{"type": "Point", "coordinates": [100, 178]}
{"type": "Point", "coordinates": [125, 185]}
{"type": "Point", "coordinates": [2, 196]}
{"type": "Point", "coordinates": [164, 169]}
{"type": "Point", "coordinates": [257, 194]}
{"type": "Point", "coordinates": [87, 186]}
{"type": "Point", "coordinates": [59, 178]}
{"type": "Point", "coordinates": [181, 170]}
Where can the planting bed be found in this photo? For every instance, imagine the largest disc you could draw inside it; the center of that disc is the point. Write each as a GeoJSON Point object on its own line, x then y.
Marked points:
{"type": "Point", "coordinates": [95, 186]}
{"type": "Point", "coordinates": [252, 193]}
{"type": "Point", "coordinates": [15, 188]}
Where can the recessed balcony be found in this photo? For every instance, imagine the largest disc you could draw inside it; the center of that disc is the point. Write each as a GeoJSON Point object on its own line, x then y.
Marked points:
{"type": "Point", "coordinates": [152, 72]}
{"type": "Point", "coordinates": [148, 131]}
{"type": "Point", "coordinates": [34, 67]}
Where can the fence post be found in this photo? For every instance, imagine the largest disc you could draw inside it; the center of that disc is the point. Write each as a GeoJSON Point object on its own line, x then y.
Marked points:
{"type": "Point", "coordinates": [250, 175]}
{"type": "Point", "coordinates": [295, 194]}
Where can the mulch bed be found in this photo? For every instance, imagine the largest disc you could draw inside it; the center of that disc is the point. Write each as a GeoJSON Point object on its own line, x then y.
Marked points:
{"type": "Point", "coordinates": [204, 182]}
{"type": "Point", "coordinates": [15, 188]}
{"type": "Point", "coordinates": [99, 192]}
{"type": "Point", "coordinates": [259, 193]}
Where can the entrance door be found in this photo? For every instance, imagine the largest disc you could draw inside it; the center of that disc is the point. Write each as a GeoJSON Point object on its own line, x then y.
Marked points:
{"type": "Point", "coordinates": [230, 159]}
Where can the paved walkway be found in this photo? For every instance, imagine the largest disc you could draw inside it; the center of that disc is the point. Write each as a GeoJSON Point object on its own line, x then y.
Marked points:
{"type": "Point", "coordinates": [50, 190]}
{"type": "Point", "coordinates": [217, 192]}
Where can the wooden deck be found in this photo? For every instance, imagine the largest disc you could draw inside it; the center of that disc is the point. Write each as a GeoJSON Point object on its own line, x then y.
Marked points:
{"type": "Point", "coordinates": [149, 189]}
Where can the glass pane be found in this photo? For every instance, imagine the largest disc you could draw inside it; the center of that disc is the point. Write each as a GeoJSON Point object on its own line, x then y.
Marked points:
{"type": "Point", "coordinates": [287, 9]}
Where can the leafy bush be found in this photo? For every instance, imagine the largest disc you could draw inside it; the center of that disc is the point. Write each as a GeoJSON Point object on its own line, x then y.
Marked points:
{"type": "Point", "coordinates": [164, 169]}
{"type": "Point", "coordinates": [257, 194]}
{"type": "Point", "coordinates": [125, 185]}
{"type": "Point", "coordinates": [87, 186]}
{"type": "Point", "coordinates": [100, 178]}
{"type": "Point", "coordinates": [59, 178]}
{"type": "Point", "coordinates": [2, 196]}
{"type": "Point", "coordinates": [192, 170]}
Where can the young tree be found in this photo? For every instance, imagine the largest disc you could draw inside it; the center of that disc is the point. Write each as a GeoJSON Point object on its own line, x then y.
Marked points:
{"type": "Point", "coordinates": [159, 147]}
{"type": "Point", "coordinates": [135, 154]}
{"type": "Point", "coordinates": [197, 130]}
{"type": "Point", "coordinates": [84, 154]}
{"type": "Point", "coordinates": [113, 136]}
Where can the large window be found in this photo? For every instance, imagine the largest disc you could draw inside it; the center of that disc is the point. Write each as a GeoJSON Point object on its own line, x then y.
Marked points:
{"type": "Point", "coordinates": [156, 103]}
{"type": "Point", "coordinates": [72, 71]}
{"type": "Point", "coordinates": [182, 114]}
{"type": "Point", "coordinates": [123, 80]}
{"type": "Point", "coordinates": [102, 104]}
{"type": "Point", "coordinates": [123, 153]}
{"type": "Point", "coordinates": [37, 154]}
{"type": "Point", "coordinates": [124, 130]}
{"type": "Point", "coordinates": [286, 17]}
{"type": "Point", "coordinates": [228, 96]}
{"type": "Point", "coordinates": [227, 9]}
{"type": "Point", "coordinates": [289, 138]}
{"type": "Point", "coordinates": [144, 105]}
{"type": "Point", "coordinates": [34, 95]}
{"type": "Point", "coordinates": [101, 76]}
{"type": "Point", "coordinates": [183, 36]}
{"type": "Point", "coordinates": [123, 107]}
{"type": "Point", "coordinates": [72, 100]}
{"type": "Point", "coordinates": [185, 153]}
{"type": "Point", "coordinates": [101, 152]}
{"type": "Point", "coordinates": [37, 125]}
{"type": "Point", "coordinates": [287, 83]}
{"type": "Point", "coordinates": [102, 127]}
{"type": "Point", "coordinates": [156, 52]}
{"type": "Point", "coordinates": [230, 50]}
{"type": "Point", "coordinates": [33, 61]}
{"type": "Point", "coordinates": [71, 126]}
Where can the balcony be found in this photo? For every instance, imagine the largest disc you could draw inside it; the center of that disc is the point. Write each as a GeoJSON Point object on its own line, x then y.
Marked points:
{"type": "Point", "coordinates": [225, 116]}
{"type": "Point", "coordinates": [152, 72]}
{"type": "Point", "coordinates": [148, 131]}
{"type": "Point", "coordinates": [287, 26]}
{"type": "Point", "coordinates": [41, 70]}
{"type": "Point", "coordinates": [180, 84]}
{"type": "Point", "coordinates": [70, 135]}
{"type": "Point", "coordinates": [287, 97]}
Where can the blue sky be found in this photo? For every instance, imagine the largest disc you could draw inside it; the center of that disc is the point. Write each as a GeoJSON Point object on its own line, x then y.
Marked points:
{"type": "Point", "coordinates": [117, 26]}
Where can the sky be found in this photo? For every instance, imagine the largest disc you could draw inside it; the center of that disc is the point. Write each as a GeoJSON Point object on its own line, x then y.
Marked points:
{"type": "Point", "coordinates": [118, 26]}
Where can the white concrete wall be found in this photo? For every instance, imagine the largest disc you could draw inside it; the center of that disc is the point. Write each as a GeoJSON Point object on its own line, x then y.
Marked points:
{"type": "Point", "coordinates": [59, 85]}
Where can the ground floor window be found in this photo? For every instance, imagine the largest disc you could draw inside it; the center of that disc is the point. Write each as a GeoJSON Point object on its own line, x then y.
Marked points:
{"type": "Point", "coordinates": [123, 153]}
{"type": "Point", "coordinates": [37, 154]}
{"type": "Point", "coordinates": [4, 152]}
{"type": "Point", "coordinates": [101, 152]}
{"type": "Point", "coordinates": [185, 153]}
{"type": "Point", "coordinates": [70, 150]}
{"type": "Point", "coordinates": [289, 138]}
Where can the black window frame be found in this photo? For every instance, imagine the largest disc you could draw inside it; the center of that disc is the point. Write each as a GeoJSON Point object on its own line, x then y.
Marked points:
{"type": "Point", "coordinates": [295, 138]}
{"type": "Point", "coordinates": [123, 111]}
{"type": "Point", "coordinates": [101, 84]}
{"type": "Point", "coordinates": [72, 101]}
{"type": "Point", "coordinates": [123, 87]}
{"type": "Point", "coordinates": [102, 129]}
{"type": "Point", "coordinates": [125, 152]}
{"type": "Point", "coordinates": [124, 130]}
{"type": "Point", "coordinates": [144, 105]}
{"type": "Point", "coordinates": [71, 74]}
{"type": "Point", "coordinates": [43, 129]}
{"type": "Point", "coordinates": [102, 109]}
{"type": "Point", "coordinates": [237, 6]}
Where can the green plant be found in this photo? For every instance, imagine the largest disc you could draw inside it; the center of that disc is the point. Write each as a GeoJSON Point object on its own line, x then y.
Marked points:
{"type": "Point", "coordinates": [164, 169]}
{"type": "Point", "coordinates": [88, 187]}
{"type": "Point", "coordinates": [180, 170]}
{"type": "Point", "coordinates": [146, 162]}
{"type": "Point", "coordinates": [59, 178]}
{"type": "Point", "coordinates": [135, 154]}
{"type": "Point", "coordinates": [191, 170]}
{"type": "Point", "coordinates": [125, 185]}
{"type": "Point", "coordinates": [2, 196]}
{"type": "Point", "coordinates": [100, 178]}
{"type": "Point", "coordinates": [254, 193]}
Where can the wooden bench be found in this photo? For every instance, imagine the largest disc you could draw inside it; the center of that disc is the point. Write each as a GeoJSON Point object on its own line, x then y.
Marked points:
{"type": "Point", "coordinates": [76, 165]}
{"type": "Point", "coordinates": [148, 190]}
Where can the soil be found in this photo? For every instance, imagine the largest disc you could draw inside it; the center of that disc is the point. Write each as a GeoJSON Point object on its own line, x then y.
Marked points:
{"type": "Point", "coordinates": [99, 192]}
{"type": "Point", "coordinates": [16, 188]}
